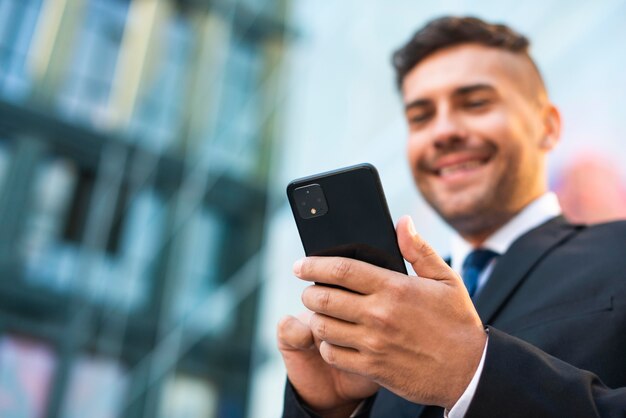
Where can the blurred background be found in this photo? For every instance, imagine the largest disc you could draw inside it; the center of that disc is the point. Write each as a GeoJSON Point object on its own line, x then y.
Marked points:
{"type": "Point", "coordinates": [145, 145]}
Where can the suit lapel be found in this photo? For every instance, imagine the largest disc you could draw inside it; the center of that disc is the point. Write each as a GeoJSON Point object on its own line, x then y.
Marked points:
{"type": "Point", "coordinates": [517, 262]}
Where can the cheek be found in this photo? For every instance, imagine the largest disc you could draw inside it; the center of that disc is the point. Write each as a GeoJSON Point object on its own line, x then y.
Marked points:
{"type": "Point", "coordinates": [416, 149]}
{"type": "Point", "coordinates": [416, 153]}
{"type": "Point", "coordinates": [492, 126]}
{"type": "Point", "coordinates": [412, 152]}
{"type": "Point", "coordinates": [514, 141]}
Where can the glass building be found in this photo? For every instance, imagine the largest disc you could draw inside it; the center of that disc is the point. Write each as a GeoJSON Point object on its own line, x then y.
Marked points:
{"type": "Point", "coordinates": [135, 140]}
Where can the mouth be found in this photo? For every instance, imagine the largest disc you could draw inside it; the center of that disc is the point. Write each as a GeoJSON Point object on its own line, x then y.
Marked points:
{"type": "Point", "coordinates": [461, 165]}
{"type": "Point", "coordinates": [452, 168]}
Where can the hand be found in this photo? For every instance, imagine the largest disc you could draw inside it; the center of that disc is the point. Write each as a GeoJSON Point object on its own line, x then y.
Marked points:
{"type": "Point", "coordinates": [420, 337]}
{"type": "Point", "coordinates": [329, 391]}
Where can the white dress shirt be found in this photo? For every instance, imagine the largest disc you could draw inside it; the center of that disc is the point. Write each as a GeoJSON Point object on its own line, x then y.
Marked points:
{"type": "Point", "coordinates": [537, 212]}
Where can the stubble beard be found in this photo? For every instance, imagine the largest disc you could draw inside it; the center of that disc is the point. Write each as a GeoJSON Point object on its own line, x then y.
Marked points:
{"type": "Point", "coordinates": [482, 211]}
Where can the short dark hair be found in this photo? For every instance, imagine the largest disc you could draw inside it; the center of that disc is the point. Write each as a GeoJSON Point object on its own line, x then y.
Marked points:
{"type": "Point", "coordinates": [449, 31]}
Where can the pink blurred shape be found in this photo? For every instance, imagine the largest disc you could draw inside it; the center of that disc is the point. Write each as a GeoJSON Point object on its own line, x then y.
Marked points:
{"type": "Point", "coordinates": [26, 370]}
{"type": "Point", "coordinates": [591, 189]}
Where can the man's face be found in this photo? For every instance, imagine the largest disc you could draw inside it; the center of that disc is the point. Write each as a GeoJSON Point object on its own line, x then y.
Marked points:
{"type": "Point", "coordinates": [477, 135]}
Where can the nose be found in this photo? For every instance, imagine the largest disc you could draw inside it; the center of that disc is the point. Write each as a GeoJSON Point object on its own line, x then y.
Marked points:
{"type": "Point", "coordinates": [447, 130]}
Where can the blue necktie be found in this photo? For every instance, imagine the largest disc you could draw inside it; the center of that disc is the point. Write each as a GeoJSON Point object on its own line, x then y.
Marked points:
{"type": "Point", "coordinates": [474, 264]}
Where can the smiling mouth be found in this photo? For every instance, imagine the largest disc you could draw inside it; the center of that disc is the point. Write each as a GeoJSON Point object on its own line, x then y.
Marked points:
{"type": "Point", "coordinates": [461, 167]}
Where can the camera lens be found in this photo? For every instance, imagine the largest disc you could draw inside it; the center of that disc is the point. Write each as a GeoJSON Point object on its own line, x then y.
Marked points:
{"type": "Point", "coordinates": [310, 201]}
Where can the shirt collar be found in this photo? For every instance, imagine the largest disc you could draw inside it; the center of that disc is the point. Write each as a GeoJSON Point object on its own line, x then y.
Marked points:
{"type": "Point", "coordinates": [534, 214]}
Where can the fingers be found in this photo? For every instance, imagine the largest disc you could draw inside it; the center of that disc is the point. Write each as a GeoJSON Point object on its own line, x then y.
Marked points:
{"type": "Point", "coordinates": [335, 331]}
{"type": "Point", "coordinates": [425, 261]}
{"type": "Point", "coordinates": [333, 302]}
{"type": "Point", "coordinates": [293, 334]}
{"type": "Point", "coordinates": [352, 274]}
{"type": "Point", "coordinates": [344, 358]}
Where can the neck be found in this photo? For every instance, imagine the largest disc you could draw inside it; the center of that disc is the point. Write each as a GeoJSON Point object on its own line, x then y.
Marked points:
{"type": "Point", "coordinates": [477, 230]}
{"type": "Point", "coordinates": [476, 239]}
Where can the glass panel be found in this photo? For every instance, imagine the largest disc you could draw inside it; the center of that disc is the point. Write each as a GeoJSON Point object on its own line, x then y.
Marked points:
{"type": "Point", "coordinates": [200, 242]}
{"type": "Point", "coordinates": [141, 243]}
{"type": "Point", "coordinates": [5, 155]}
{"type": "Point", "coordinates": [53, 258]}
{"type": "Point", "coordinates": [158, 117]}
{"type": "Point", "coordinates": [17, 24]}
{"type": "Point", "coordinates": [96, 389]}
{"type": "Point", "coordinates": [85, 93]}
{"type": "Point", "coordinates": [236, 144]}
{"type": "Point", "coordinates": [46, 262]}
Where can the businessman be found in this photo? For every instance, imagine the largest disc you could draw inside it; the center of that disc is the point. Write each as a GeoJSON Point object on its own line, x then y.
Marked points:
{"type": "Point", "coordinates": [527, 318]}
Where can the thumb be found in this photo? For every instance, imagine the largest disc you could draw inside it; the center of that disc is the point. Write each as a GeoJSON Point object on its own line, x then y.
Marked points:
{"type": "Point", "coordinates": [425, 261]}
{"type": "Point", "coordinates": [294, 334]}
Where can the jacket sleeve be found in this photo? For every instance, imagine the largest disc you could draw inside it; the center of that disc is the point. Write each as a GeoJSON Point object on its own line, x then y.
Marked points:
{"type": "Point", "coordinates": [519, 380]}
{"type": "Point", "coordinates": [294, 407]}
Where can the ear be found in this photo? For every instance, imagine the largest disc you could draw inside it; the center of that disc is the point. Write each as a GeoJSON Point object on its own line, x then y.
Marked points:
{"type": "Point", "coordinates": [552, 127]}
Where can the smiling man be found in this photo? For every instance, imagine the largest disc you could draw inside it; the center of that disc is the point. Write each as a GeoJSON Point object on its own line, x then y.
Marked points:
{"type": "Point", "coordinates": [529, 318]}
{"type": "Point", "coordinates": [480, 125]}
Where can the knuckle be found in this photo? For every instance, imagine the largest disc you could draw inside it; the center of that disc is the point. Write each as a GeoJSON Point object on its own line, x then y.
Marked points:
{"type": "Point", "coordinates": [323, 299]}
{"type": "Point", "coordinates": [398, 288]}
{"type": "Point", "coordinates": [341, 269]}
{"type": "Point", "coordinates": [374, 344]}
{"type": "Point", "coordinates": [318, 326]}
{"type": "Point", "coordinates": [302, 340]}
{"type": "Point", "coordinates": [372, 365]}
{"type": "Point", "coordinates": [423, 249]}
{"type": "Point", "coordinates": [379, 317]}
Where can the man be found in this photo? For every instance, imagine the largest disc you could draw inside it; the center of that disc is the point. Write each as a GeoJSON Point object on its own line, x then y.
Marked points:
{"type": "Point", "coordinates": [547, 315]}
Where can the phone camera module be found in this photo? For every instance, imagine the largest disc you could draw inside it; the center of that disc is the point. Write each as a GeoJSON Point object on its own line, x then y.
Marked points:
{"type": "Point", "coordinates": [311, 202]}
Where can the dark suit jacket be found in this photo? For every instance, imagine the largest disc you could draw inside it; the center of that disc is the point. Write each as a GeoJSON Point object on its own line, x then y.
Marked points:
{"type": "Point", "coordinates": [555, 304]}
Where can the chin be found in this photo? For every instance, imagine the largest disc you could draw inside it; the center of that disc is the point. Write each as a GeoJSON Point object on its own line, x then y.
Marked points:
{"type": "Point", "coordinates": [466, 211]}
{"type": "Point", "coordinates": [463, 203]}
{"type": "Point", "coordinates": [464, 216]}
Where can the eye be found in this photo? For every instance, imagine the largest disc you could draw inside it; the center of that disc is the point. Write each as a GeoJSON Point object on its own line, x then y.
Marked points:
{"type": "Point", "coordinates": [419, 117]}
{"type": "Point", "coordinates": [476, 103]}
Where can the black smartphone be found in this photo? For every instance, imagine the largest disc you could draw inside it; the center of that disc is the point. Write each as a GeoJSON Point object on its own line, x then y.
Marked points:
{"type": "Point", "coordinates": [344, 213]}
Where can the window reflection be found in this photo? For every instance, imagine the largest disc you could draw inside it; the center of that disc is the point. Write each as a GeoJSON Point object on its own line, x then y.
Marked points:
{"type": "Point", "coordinates": [17, 25]}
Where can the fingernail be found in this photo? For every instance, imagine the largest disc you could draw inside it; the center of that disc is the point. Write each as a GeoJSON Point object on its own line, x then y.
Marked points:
{"type": "Point", "coordinates": [297, 266]}
{"type": "Point", "coordinates": [411, 226]}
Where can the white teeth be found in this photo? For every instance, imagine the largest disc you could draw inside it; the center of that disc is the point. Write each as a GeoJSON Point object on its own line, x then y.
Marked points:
{"type": "Point", "coordinates": [458, 167]}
